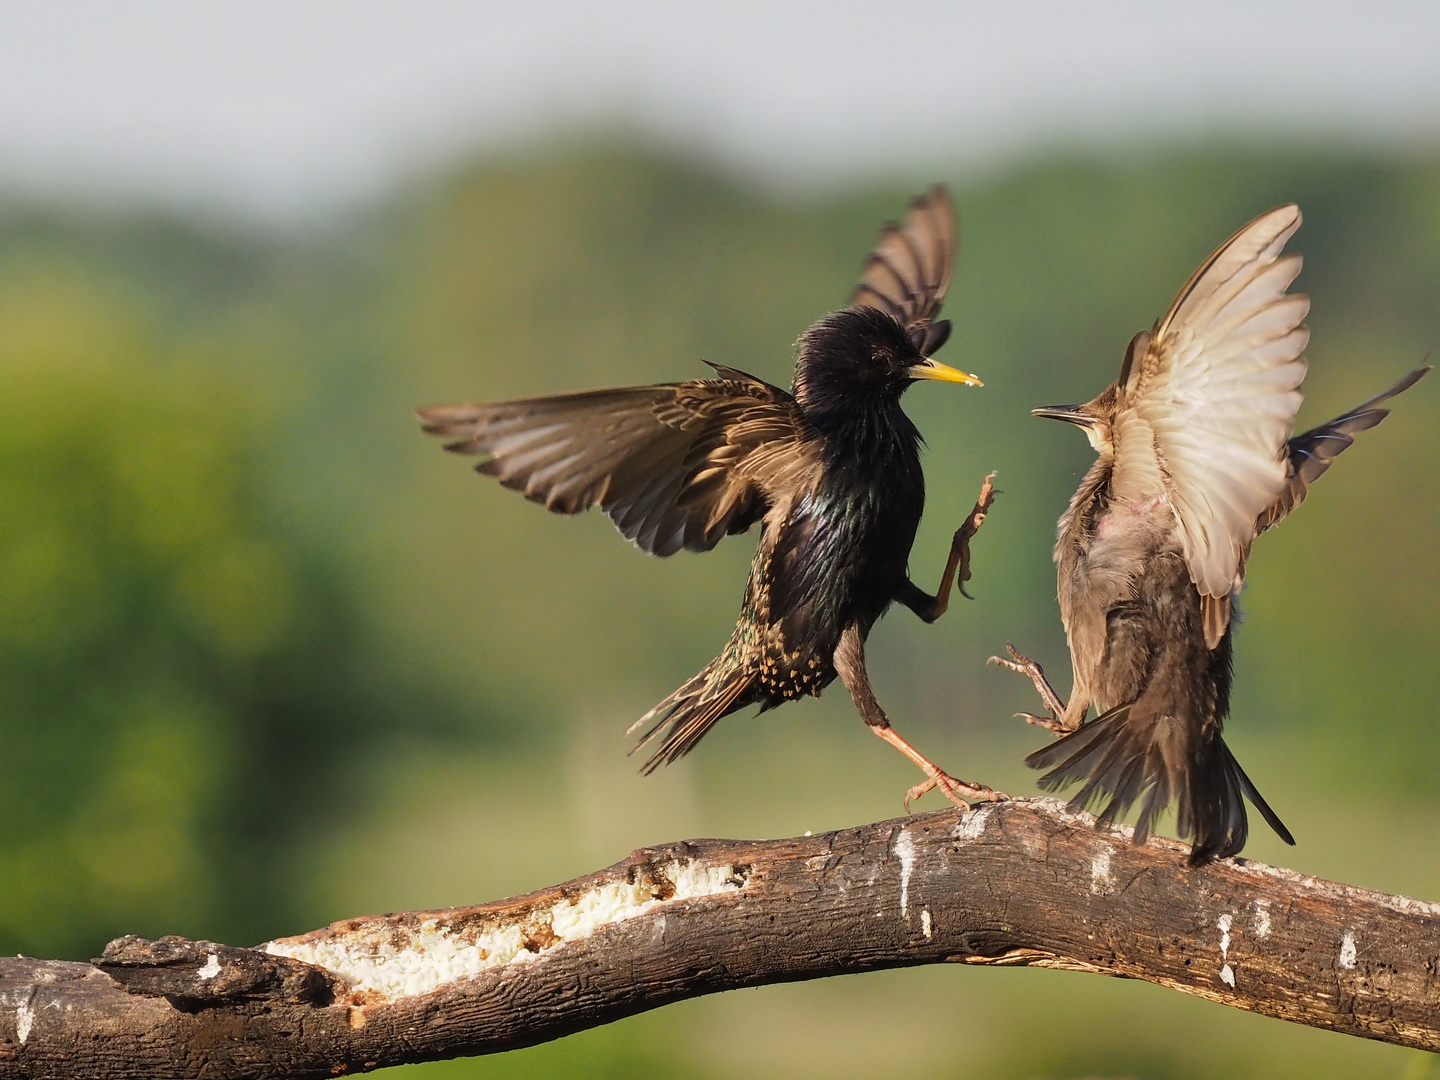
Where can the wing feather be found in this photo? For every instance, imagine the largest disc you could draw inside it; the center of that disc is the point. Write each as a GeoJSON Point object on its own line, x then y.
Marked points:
{"type": "Point", "coordinates": [909, 272]}
{"type": "Point", "coordinates": [1311, 453]}
{"type": "Point", "coordinates": [1212, 404]}
{"type": "Point", "coordinates": [678, 465]}
{"type": "Point", "coordinates": [1221, 275]}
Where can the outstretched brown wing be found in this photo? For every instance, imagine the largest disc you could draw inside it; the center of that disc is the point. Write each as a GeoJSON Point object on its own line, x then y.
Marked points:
{"type": "Point", "coordinates": [1312, 452]}
{"type": "Point", "coordinates": [909, 271]}
{"type": "Point", "coordinates": [678, 465]}
{"type": "Point", "coordinates": [1308, 455]}
{"type": "Point", "coordinates": [1207, 406]}
{"type": "Point", "coordinates": [1207, 400]}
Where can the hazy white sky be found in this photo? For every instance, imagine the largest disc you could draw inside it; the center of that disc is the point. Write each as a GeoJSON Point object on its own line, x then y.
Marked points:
{"type": "Point", "coordinates": [283, 105]}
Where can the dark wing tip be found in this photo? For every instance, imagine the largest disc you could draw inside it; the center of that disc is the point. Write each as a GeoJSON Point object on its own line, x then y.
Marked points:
{"type": "Point", "coordinates": [936, 195]}
{"type": "Point", "coordinates": [1313, 452]}
{"type": "Point", "coordinates": [445, 412]}
{"type": "Point", "coordinates": [930, 339]}
{"type": "Point", "coordinates": [909, 269]}
{"type": "Point", "coordinates": [1412, 378]}
{"type": "Point", "coordinates": [1405, 383]}
{"type": "Point", "coordinates": [448, 419]}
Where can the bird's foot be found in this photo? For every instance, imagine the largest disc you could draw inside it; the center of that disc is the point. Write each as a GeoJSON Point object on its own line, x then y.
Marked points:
{"type": "Point", "coordinates": [1048, 722]}
{"type": "Point", "coordinates": [970, 528]}
{"type": "Point", "coordinates": [957, 791]}
{"type": "Point", "coordinates": [1018, 661]}
{"type": "Point", "coordinates": [1036, 674]}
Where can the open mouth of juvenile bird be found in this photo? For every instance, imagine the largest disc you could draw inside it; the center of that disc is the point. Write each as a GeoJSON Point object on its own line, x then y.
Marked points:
{"type": "Point", "coordinates": [938, 372]}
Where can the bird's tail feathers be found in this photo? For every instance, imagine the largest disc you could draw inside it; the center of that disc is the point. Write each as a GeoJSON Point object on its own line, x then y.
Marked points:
{"type": "Point", "coordinates": [1131, 756]}
{"type": "Point", "coordinates": [688, 713]}
{"type": "Point", "coordinates": [1257, 800]}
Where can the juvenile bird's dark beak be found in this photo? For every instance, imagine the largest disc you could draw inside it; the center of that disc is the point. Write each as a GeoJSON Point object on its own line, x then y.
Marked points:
{"type": "Point", "coordinates": [1071, 414]}
{"type": "Point", "coordinates": [933, 369]}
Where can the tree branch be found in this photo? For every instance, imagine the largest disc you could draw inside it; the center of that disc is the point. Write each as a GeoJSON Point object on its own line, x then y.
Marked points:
{"type": "Point", "coordinates": [1022, 882]}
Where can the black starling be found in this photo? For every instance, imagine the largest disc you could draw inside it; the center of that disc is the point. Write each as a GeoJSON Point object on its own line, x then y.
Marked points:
{"type": "Point", "coordinates": [1196, 460]}
{"type": "Point", "coordinates": [831, 470]}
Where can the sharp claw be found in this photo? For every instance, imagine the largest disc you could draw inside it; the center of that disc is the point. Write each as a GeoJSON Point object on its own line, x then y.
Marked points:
{"type": "Point", "coordinates": [916, 791]}
{"type": "Point", "coordinates": [1050, 723]}
{"type": "Point", "coordinates": [1017, 655]}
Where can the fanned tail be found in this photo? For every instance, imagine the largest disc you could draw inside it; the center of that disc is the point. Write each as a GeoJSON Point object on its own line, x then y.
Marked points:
{"type": "Point", "coordinates": [1152, 758]}
{"type": "Point", "coordinates": [689, 712]}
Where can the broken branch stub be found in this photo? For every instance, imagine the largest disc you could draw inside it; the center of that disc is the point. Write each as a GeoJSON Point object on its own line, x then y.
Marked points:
{"type": "Point", "coordinates": [1023, 882]}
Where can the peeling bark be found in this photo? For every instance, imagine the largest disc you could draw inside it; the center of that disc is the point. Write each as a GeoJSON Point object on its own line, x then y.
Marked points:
{"type": "Point", "coordinates": [1022, 882]}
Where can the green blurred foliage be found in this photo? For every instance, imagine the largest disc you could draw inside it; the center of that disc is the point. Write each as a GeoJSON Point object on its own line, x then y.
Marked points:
{"type": "Point", "coordinates": [268, 658]}
{"type": "Point", "coordinates": [167, 652]}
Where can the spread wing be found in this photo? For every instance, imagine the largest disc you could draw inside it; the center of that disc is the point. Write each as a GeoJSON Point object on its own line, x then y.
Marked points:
{"type": "Point", "coordinates": [1314, 451]}
{"type": "Point", "coordinates": [1208, 402]}
{"type": "Point", "coordinates": [909, 271]}
{"type": "Point", "coordinates": [679, 465]}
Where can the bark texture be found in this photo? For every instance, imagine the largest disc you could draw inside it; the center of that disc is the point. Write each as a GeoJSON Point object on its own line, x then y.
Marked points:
{"type": "Point", "coordinates": [1021, 882]}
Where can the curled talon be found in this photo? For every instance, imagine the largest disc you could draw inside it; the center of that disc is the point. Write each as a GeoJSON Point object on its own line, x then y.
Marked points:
{"type": "Point", "coordinates": [916, 791]}
{"type": "Point", "coordinates": [969, 529]}
{"type": "Point", "coordinates": [1021, 663]}
{"type": "Point", "coordinates": [1020, 658]}
{"type": "Point", "coordinates": [1050, 723]}
{"type": "Point", "coordinates": [951, 791]}
{"type": "Point", "coordinates": [957, 791]}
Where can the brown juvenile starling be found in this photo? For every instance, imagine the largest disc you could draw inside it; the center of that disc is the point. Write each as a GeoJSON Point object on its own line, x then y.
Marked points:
{"type": "Point", "coordinates": [831, 470]}
{"type": "Point", "coordinates": [1196, 460]}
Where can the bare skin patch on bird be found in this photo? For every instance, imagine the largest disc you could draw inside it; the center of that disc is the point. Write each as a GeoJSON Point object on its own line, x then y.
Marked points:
{"type": "Point", "coordinates": [1121, 516]}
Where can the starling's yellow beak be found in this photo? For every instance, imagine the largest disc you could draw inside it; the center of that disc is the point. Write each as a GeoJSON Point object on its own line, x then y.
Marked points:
{"type": "Point", "coordinates": [933, 369]}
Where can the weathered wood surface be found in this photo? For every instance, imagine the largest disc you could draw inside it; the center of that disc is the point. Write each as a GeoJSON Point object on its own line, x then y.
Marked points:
{"type": "Point", "coordinates": [1023, 882]}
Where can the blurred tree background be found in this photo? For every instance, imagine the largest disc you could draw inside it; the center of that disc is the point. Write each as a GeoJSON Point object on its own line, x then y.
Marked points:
{"type": "Point", "coordinates": [269, 659]}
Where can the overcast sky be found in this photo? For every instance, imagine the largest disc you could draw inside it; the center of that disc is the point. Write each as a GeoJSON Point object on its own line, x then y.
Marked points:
{"type": "Point", "coordinates": [285, 105]}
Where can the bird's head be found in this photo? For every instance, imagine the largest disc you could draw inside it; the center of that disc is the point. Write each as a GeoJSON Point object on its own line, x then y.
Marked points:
{"type": "Point", "coordinates": [1097, 416]}
{"type": "Point", "coordinates": [1094, 417]}
{"type": "Point", "coordinates": [860, 356]}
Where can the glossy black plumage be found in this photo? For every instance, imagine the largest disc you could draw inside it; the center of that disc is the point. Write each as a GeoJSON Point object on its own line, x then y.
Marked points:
{"type": "Point", "coordinates": [831, 469]}
{"type": "Point", "coordinates": [1195, 461]}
